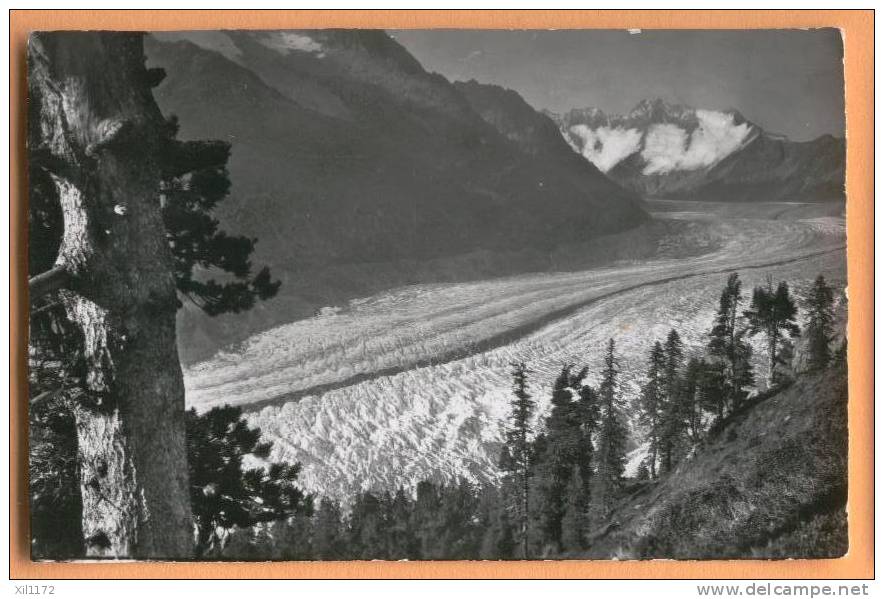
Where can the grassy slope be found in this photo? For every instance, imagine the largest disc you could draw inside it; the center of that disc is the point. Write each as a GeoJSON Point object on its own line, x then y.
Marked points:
{"type": "Point", "coordinates": [771, 483]}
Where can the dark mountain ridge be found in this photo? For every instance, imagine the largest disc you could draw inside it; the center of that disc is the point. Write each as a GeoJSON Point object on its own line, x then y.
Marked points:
{"type": "Point", "coordinates": [348, 157]}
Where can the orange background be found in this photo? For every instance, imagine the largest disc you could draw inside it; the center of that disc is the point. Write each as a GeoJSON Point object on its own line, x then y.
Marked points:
{"type": "Point", "coordinates": [858, 31]}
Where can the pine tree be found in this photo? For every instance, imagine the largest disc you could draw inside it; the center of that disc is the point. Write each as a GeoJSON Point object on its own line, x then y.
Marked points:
{"type": "Point", "coordinates": [113, 154]}
{"type": "Point", "coordinates": [691, 393]}
{"type": "Point", "coordinates": [516, 457]}
{"type": "Point", "coordinates": [651, 403]}
{"type": "Point", "coordinates": [246, 544]}
{"type": "Point", "coordinates": [727, 345]}
{"type": "Point", "coordinates": [546, 496]}
{"type": "Point", "coordinates": [574, 521]}
{"type": "Point", "coordinates": [458, 532]}
{"type": "Point", "coordinates": [54, 505]}
{"type": "Point", "coordinates": [674, 409]}
{"type": "Point", "coordinates": [366, 527]}
{"type": "Point", "coordinates": [784, 372]}
{"type": "Point", "coordinates": [225, 494]}
{"type": "Point", "coordinates": [96, 131]}
{"type": "Point", "coordinates": [712, 388]}
{"type": "Point", "coordinates": [819, 323]}
{"type": "Point", "coordinates": [498, 541]}
{"type": "Point", "coordinates": [588, 413]}
{"type": "Point", "coordinates": [567, 448]}
{"type": "Point", "coordinates": [290, 539]}
{"type": "Point", "coordinates": [612, 439]}
{"type": "Point", "coordinates": [588, 416]}
{"type": "Point", "coordinates": [423, 518]}
{"type": "Point", "coordinates": [773, 314]}
{"type": "Point", "coordinates": [328, 539]}
{"type": "Point", "coordinates": [195, 181]}
{"type": "Point", "coordinates": [403, 541]}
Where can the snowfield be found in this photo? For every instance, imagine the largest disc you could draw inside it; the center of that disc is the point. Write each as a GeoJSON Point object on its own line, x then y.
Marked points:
{"type": "Point", "coordinates": [414, 383]}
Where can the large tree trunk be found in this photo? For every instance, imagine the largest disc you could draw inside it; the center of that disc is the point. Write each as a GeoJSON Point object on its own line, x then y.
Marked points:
{"type": "Point", "coordinates": [99, 134]}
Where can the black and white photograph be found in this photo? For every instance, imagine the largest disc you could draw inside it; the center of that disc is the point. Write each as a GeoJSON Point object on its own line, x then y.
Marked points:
{"type": "Point", "coordinates": [437, 294]}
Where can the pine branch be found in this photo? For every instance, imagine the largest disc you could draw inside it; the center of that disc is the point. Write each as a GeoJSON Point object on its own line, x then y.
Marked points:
{"type": "Point", "coordinates": [44, 308]}
{"type": "Point", "coordinates": [72, 392]}
{"type": "Point", "coordinates": [46, 282]}
{"type": "Point", "coordinates": [182, 157]}
{"type": "Point", "coordinates": [40, 398]}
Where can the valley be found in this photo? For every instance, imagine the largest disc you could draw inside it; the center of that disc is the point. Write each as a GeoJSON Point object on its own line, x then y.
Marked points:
{"type": "Point", "coordinates": [365, 294]}
{"type": "Point", "coordinates": [413, 383]}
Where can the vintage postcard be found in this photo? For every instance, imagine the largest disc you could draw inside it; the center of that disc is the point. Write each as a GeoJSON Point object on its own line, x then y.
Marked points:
{"type": "Point", "coordinates": [437, 294]}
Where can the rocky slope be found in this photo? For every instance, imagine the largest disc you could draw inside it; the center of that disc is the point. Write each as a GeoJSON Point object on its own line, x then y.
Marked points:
{"type": "Point", "coordinates": [675, 151]}
{"type": "Point", "coordinates": [352, 166]}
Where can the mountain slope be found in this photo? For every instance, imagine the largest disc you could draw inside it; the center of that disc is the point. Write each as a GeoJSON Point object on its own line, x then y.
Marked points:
{"type": "Point", "coordinates": [351, 164]}
{"type": "Point", "coordinates": [534, 133]}
{"type": "Point", "coordinates": [770, 482]}
{"type": "Point", "coordinates": [675, 151]}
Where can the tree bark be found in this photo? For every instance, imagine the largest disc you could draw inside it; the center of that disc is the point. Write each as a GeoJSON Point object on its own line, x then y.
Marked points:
{"type": "Point", "coordinates": [100, 135]}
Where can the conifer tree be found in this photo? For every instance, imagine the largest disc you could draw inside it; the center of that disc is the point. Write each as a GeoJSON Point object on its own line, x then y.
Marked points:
{"type": "Point", "coordinates": [95, 136]}
{"type": "Point", "coordinates": [498, 541]}
{"type": "Point", "coordinates": [225, 494]}
{"type": "Point", "coordinates": [819, 323]}
{"type": "Point", "coordinates": [651, 403]}
{"type": "Point", "coordinates": [516, 457]}
{"type": "Point", "coordinates": [612, 439]}
{"type": "Point", "coordinates": [112, 153]}
{"type": "Point", "coordinates": [53, 478]}
{"type": "Point", "coordinates": [588, 410]}
{"type": "Point", "coordinates": [567, 449]}
{"type": "Point", "coordinates": [403, 541]}
{"type": "Point", "coordinates": [772, 313]}
{"type": "Point", "coordinates": [784, 372]}
{"type": "Point", "coordinates": [195, 181]}
{"type": "Point", "coordinates": [728, 347]}
{"type": "Point", "coordinates": [367, 527]}
{"type": "Point", "coordinates": [290, 539]}
{"type": "Point", "coordinates": [574, 521]}
{"type": "Point", "coordinates": [423, 517]}
{"type": "Point", "coordinates": [458, 535]}
{"type": "Point", "coordinates": [328, 541]}
{"type": "Point", "coordinates": [588, 416]}
{"type": "Point", "coordinates": [674, 421]}
{"type": "Point", "coordinates": [691, 393]}
{"type": "Point", "coordinates": [713, 388]}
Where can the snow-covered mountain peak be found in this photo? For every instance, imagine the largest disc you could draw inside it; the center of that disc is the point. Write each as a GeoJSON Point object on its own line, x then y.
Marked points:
{"type": "Point", "coordinates": [657, 136]}
{"type": "Point", "coordinates": [659, 110]}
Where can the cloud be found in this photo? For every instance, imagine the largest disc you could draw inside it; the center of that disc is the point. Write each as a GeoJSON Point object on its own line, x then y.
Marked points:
{"type": "Point", "coordinates": [668, 147]}
{"type": "Point", "coordinates": [664, 148]}
{"type": "Point", "coordinates": [286, 41]}
{"type": "Point", "coordinates": [716, 138]}
{"type": "Point", "coordinates": [606, 147]}
{"type": "Point", "coordinates": [475, 54]}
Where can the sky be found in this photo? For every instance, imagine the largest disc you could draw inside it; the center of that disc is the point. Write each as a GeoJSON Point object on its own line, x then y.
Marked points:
{"type": "Point", "coordinates": [787, 81]}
